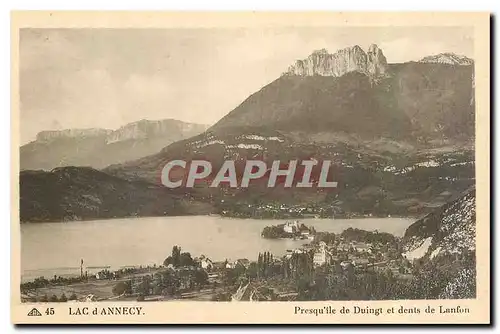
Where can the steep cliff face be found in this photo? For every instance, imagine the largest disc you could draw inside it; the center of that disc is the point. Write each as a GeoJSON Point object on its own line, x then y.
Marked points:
{"type": "Point", "coordinates": [147, 129]}
{"type": "Point", "coordinates": [351, 59]}
{"type": "Point", "coordinates": [450, 229]}
{"type": "Point", "coordinates": [448, 58]}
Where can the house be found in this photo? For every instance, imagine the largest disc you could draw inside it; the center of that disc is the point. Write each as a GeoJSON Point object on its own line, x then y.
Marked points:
{"type": "Point", "coordinates": [218, 265]}
{"type": "Point", "coordinates": [321, 255]}
{"type": "Point", "coordinates": [360, 262]}
{"type": "Point", "coordinates": [291, 227]}
{"type": "Point", "coordinates": [343, 246]}
{"type": "Point", "coordinates": [206, 263]}
{"type": "Point", "coordinates": [361, 246]}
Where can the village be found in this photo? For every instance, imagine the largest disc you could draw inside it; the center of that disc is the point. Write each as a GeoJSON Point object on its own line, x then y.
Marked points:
{"type": "Point", "coordinates": [276, 210]}
{"type": "Point", "coordinates": [293, 276]}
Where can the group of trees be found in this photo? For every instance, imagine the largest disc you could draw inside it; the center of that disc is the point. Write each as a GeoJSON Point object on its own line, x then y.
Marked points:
{"type": "Point", "coordinates": [274, 232]}
{"type": "Point", "coordinates": [448, 276]}
{"type": "Point", "coordinates": [42, 282]}
{"type": "Point", "coordinates": [121, 288]}
{"type": "Point", "coordinates": [355, 234]}
{"type": "Point", "coordinates": [165, 282]}
{"type": "Point", "coordinates": [326, 237]}
{"type": "Point", "coordinates": [445, 276]}
{"type": "Point", "coordinates": [186, 276]}
{"type": "Point", "coordinates": [265, 264]}
{"type": "Point", "coordinates": [264, 267]}
{"type": "Point", "coordinates": [54, 298]}
{"type": "Point", "coordinates": [178, 259]}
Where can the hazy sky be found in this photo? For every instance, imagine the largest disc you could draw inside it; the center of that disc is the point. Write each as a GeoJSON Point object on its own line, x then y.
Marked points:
{"type": "Point", "coordinates": [81, 78]}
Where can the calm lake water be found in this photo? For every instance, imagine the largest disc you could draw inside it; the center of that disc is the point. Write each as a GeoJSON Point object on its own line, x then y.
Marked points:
{"type": "Point", "coordinates": [56, 248]}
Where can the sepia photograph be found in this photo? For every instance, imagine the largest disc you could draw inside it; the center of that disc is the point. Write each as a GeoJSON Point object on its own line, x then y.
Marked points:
{"type": "Point", "coordinates": [259, 163]}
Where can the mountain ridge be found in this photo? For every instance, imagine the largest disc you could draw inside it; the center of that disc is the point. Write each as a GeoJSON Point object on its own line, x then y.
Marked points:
{"type": "Point", "coordinates": [132, 130]}
{"type": "Point", "coordinates": [416, 102]}
{"type": "Point", "coordinates": [99, 148]}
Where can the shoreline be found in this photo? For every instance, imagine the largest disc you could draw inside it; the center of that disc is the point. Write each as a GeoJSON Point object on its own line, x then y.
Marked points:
{"type": "Point", "coordinates": [416, 217]}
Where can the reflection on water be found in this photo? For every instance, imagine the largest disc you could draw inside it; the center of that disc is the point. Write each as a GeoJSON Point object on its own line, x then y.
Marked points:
{"type": "Point", "coordinates": [57, 248]}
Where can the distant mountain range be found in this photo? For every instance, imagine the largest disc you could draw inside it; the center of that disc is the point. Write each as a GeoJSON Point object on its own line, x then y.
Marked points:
{"type": "Point", "coordinates": [99, 148]}
{"type": "Point", "coordinates": [401, 137]}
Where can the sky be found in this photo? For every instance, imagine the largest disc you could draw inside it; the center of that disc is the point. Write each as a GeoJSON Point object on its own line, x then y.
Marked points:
{"type": "Point", "coordinates": [106, 78]}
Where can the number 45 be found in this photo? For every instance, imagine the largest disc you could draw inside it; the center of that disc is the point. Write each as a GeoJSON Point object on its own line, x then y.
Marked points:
{"type": "Point", "coordinates": [49, 311]}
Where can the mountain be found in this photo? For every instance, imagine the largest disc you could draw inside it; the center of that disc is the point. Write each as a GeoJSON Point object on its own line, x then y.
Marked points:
{"type": "Point", "coordinates": [371, 181]}
{"type": "Point", "coordinates": [101, 147]}
{"type": "Point", "coordinates": [411, 102]}
{"type": "Point", "coordinates": [82, 193]}
{"type": "Point", "coordinates": [400, 137]}
{"type": "Point", "coordinates": [448, 58]}
{"type": "Point", "coordinates": [448, 230]}
{"type": "Point", "coordinates": [350, 59]}
{"type": "Point", "coordinates": [442, 246]}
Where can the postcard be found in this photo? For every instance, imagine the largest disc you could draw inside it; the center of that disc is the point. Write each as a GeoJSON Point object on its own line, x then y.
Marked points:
{"type": "Point", "coordinates": [250, 168]}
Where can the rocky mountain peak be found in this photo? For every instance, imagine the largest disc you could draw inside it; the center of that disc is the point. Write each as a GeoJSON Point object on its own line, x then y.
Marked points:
{"type": "Point", "coordinates": [45, 136]}
{"type": "Point", "coordinates": [320, 52]}
{"type": "Point", "coordinates": [448, 58]}
{"type": "Point", "coordinates": [346, 60]}
{"type": "Point", "coordinates": [153, 128]}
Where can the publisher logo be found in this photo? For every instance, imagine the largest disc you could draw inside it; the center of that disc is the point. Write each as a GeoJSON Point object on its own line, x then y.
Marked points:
{"type": "Point", "coordinates": [34, 313]}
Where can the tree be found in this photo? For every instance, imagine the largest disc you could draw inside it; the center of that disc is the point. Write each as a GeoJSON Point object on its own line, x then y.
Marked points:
{"type": "Point", "coordinates": [185, 260]}
{"type": "Point", "coordinates": [73, 296]}
{"type": "Point", "coordinates": [174, 258]}
{"type": "Point", "coordinates": [253, 270]}
{"type": "Point", "coordinates": [145, 286]}
{"type": "Point", "coordinates": [122, 288]}
{"type": "Point", "coordinates": [63, 298]}
{"type": "Point", "coordinates": [53, 299]}
{"type": "Point", "coordinates": [176, 255]}
{"type": "Point", "coordinates": [178, 259]}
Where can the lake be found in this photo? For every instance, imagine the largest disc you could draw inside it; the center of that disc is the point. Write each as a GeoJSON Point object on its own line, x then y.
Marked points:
{"type": "Point", "coordinates": [57, 248]}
